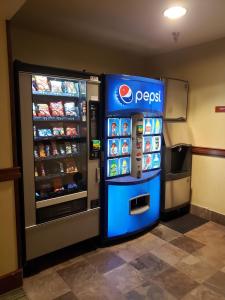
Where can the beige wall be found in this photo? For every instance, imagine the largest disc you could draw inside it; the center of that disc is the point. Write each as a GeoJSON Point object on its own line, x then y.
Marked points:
{"type": "Point", "coordinates": [47, 50]}
{"type": "Point", "coordinates": [204, 67]}
{"type": "Point", "coordinates": [8, 247]}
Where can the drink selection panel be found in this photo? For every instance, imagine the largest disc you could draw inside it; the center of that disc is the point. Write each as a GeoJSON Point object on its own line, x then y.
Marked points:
{"type": "Point", "coordinates": [119, 145]}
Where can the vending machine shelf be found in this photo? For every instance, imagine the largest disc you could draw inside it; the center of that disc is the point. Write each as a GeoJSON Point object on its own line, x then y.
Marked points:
{"type": "Point", "coordinates": [51, 157]}
{"type": "Point", "coordinates": [63, 137]}
{"type": "Point", "coordinates": [52, 176]}
{"type": "Point", "coordinates": [56, 119]}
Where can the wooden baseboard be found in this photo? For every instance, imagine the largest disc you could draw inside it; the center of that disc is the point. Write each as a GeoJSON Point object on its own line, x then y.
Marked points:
{"type": "Point", "coordinates": [11, 281]}
{"type": "Point", "coordinates": [208, 151]}
{"type": "Point", "coordinates": [207, 214]}
{"type": "Point", "coordinates": [10, 174]}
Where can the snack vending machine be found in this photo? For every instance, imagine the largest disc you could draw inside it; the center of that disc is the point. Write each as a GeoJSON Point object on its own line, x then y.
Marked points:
{"type": "Point", "coordinates": [133, 110]}
{"type": "Point", "coordinates": [60, 166]}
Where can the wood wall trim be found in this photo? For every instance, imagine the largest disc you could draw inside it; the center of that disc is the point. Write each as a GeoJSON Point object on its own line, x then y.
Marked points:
{"type": "Point", "coordinates": [10, 174]}
{"type": "Point", "coordinates": [11, 281]}
{"type": "Point", "coordinates": [208, 151]}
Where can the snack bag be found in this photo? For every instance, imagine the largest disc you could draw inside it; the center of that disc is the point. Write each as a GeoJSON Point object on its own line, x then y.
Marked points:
{"type": "Point", "coordinates": [71, 131]}
{"type": "Point", "coordinates": [35, 131]}
{"type": "Point", "coordinates": [34, 110]}
{"type": "Point", "coordinates": [44, 132]}
{"type": "Point", "coordinates": [42, 150]}
{"type": "Point", "coordinates": [75, 148]}
{"type": "Point", "coordinates": [43, 110]}
{"type": "Point", "coordinates": [41, 83]}
{"type": "Point", "coordinates": [70, 87]}
{"type": "Point", "coordinates": [71, 166]}
{"type": "Point", "coordinates": [61, 149]}
{"type": "Point", "coordinates": [56, 86]}
{"type": "Point", "coordinates": [72, 186]}
{"type": "Point", "coordinates": [82, 86]}
{"type": "Point", "coordinates": [56, 109]}
{"type": "Point", "coordinates": [47, 150]}
{"type": "Point", "coordinates": [54, 148]}
{"type": "Point", "coordinates": [36, 155]}
{"type": "Point", "coordinates": [68, 148]}
{"type": "Point", "coordinates": [58, 131]}
{"type": "Point", "coordinates": [70, 109]}
{"type": "Point", "coordinates": [57, 185]}
{"type": "Point", "coordinates": [42, 170]}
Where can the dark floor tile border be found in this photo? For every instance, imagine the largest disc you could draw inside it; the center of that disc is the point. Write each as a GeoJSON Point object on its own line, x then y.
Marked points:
{"type": "Point", "coordinates": [207, 214]}
{"type": "Point", "coordinates": [11, 281]}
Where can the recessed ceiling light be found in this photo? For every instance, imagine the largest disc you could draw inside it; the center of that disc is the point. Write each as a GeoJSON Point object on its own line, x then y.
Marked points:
{"type": "Point", "coordinates": [175, 12]}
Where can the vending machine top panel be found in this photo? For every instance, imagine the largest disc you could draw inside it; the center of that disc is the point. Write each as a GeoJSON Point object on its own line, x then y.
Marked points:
{"type": "Point", "coordinates": [132, 94]}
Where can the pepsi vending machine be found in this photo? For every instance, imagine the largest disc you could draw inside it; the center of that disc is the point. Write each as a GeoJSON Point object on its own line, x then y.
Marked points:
{"type": "Point", "coordinates": [133, 110]}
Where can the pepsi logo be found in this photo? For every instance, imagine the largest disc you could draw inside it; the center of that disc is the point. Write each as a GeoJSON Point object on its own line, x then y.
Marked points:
{"type": "Point", "coordinates": [125, 94]}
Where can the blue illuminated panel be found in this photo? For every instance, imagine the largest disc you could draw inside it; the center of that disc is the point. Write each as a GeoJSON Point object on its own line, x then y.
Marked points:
{"type": "Point", "coordinates": [120, 221]}
{"type": "Point", "coordinates": [134, 94]}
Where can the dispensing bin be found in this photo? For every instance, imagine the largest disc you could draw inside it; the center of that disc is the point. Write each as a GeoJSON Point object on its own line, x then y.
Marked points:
{"type": "Point", "coordinates": [176, 179]}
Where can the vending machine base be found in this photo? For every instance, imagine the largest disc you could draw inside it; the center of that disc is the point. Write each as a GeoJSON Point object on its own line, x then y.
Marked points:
{"type": "Point", "coordinates": [133, 205]}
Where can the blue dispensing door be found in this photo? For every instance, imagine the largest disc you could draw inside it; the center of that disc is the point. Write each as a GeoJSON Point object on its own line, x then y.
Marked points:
{"type": "Point", "coordinates": [131, 204]}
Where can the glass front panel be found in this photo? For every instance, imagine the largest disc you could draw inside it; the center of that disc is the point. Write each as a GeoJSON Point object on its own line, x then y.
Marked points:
{"type": "Point", "coordinates": [59, 129]}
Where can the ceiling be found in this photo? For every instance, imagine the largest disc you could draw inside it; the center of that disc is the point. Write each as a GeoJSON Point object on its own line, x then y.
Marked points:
{"type": "Point", "coordinates": [134, 25]}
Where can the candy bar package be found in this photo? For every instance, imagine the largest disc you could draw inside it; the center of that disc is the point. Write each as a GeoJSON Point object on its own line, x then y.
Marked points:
{"type": "Point", "coordinates": [47, 150]}
{"type": "Point", "coordinates": [34, 110]}
{"type": "Point", "coordinates": [43, 110]}
{"type": "Point", "coordinates": [58, 131]}
{"type": "Point", "coordinates": [36, 155]}
{"type": "Point", "coordinates": [61, 149]}
{"type": "Point", "coordinates": [56, 109]}
{"type": "Point", "coordinates": [75, 148]}
{"type": "Point", "coordinates": [60, 167]}
{"type": "Point", "coordinates": [68, 148]}
{"type": "Point", "coordinates": [42, 150]}
{"type": "Point", "coordinates": [71, 109]}
{"type": "Point", "coordinates": [56, 86]}
{"type": "Point", "coordinates": [44, 132]}
{"type": "Point", "coordinates": [54, 148]}
{"type": "Point", "coordinates": [71, 131]}
{"type": "Point", "coordinates": [35, 131]}
{"type": "Point", "coordinates": [70, 87]}
{"type": "Point", "coordinates": [40, 83]}
{"type": "Point", "coordinates": [43, 173]}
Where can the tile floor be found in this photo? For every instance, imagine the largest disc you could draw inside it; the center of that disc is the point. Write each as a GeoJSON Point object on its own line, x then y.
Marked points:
{"type": "Point", "coordinates": [162, 264]}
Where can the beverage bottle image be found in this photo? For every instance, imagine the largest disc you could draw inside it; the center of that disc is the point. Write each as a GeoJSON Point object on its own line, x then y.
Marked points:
{"type": "Point", "coordinates": [124, 167]}
{"type": "Point", "coordinates": [148, 127]}
{"type": "Point", "coordinates": [157, 126]}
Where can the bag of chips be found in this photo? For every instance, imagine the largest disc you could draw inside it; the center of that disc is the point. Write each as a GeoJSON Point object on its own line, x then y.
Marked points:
{"type": "Point", "coordinates": [56, 86]}
{"type": "Point", "coordinates": [70, 109]}
{"type": "Point", "coordinates": [43, 110]}
{"type": "Point", "coordinates": [41, 82]}
{"type": "Point", "coordinates": [70, 87]}
{"type": "Point", "coordinates": [58, 131]}
{"type": "Point", "coordinates": [56, 109]}
{"type": "Point", "coordinates": [44, 132]}
{"type": "Point", "coordinates": [71, 131]}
